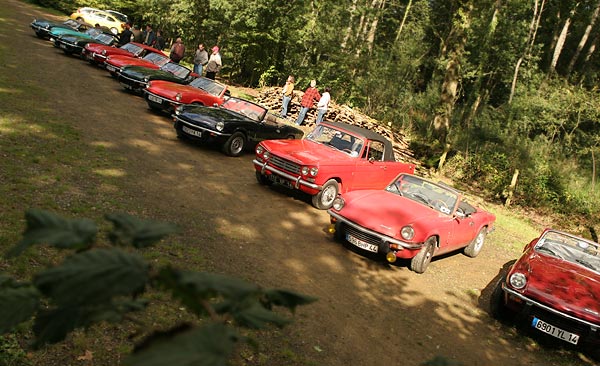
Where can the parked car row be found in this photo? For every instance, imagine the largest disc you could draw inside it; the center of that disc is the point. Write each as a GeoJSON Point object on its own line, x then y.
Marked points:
{"type": "Point", "coordinates": [376, 205]}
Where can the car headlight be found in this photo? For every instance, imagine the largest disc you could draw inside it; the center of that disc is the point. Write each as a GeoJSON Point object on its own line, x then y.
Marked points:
{"type": "Point", "coordinates": [179, 110]}
{"type": "Point", "coordinates": [313, 171]}
{"type": "Point", "coordinates": [518, 280]}
{"type": "Point", "coordinates": [103, 52]}
{"type": "Point", "coordinates": [146, 79]}
{"type": "Point", "coordinates": [259, 150]}
{"type": "Point", "coordinates": [220, 126]}
{"type": "Point", "coordinates": [178, 97]}
{"type": "Point", "coordinates": [266, 155]}
{"type": "Point", "coordinates": [304, 170]}
{"type": "Point", "coordinates": [407, 232]}
{"type": "Point", "coordinates": [338, 203]}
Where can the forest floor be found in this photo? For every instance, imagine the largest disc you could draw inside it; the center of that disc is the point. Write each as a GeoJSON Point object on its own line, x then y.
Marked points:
{"type": "Point", "coordinates": [368, 312]}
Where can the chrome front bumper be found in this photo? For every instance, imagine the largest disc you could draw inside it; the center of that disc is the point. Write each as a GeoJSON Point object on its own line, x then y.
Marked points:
{"type": "Point", "coordinates": [296, 181]}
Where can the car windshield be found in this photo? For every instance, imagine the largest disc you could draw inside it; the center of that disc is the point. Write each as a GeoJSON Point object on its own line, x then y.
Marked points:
{"type": "Point", "coordinates": [156, 59]}
{"type": "Point", "coordinates": [176, 69]}
{"type": "Point", "coordinates": [104, 38]}
{"type": "Point", "coordinates": [337, 139]}
{"type": "Point", "coordinates": [208, 85]}
{"type": "Point", "coordinates": [437, 196]}
{"type": "Point", "coordinates": [93, 32]}
{"type": "Point", "coordinates": [71, 23]}
{"type": "Point", "coordinates": [122, 17]}
{"type": "Point", "coordinates": [570, 248]}
{"type": "Point", "coordinates": [133, 48]}
{"type": "Point", "coordinates": [250, 110]}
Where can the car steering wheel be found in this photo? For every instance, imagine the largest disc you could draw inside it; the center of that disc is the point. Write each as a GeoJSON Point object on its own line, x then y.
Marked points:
{"type": "Point", "coordinates": [441, 206]}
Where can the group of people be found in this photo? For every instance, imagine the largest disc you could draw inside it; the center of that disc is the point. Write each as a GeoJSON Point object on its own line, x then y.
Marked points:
{"type": "Point", "coordinates": [311, 95]}
{"type": "Point", "coordinates": [148, 37]}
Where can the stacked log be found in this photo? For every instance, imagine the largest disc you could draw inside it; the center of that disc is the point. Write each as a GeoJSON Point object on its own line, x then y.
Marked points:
{"type": "Point", "coordinates": [271, 99]}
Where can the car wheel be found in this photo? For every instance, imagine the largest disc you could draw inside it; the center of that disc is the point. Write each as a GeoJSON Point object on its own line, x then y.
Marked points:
{"type": "Point", "coordinates": [498, 308]}
{"type": "Point", "coordinates": [262, 179]}
{"type": "Point", "coordinates": [473, 249]}
{"type": "Point", "coordinates": [420, 262]}
{"type": "Point", "coordinates": [291, 137]}
{"type": "Point", "coordinates": [324, 199]}
{"type": "Point", "coordinates": [180, 134]}
{"type": "Point", "coordinates": [235, 144]}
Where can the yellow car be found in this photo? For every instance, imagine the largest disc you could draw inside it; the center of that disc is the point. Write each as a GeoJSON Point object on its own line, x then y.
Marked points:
{"type": "Point", "coordinates": [96, 16]}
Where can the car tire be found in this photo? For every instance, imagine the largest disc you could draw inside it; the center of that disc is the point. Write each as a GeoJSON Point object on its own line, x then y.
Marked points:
{"type": "Point", "coordinates": [180, 134]}
{"type": "Point", "coordinates": [234, 146]}
{"type": "Point", "coordinates": [262, 179]}
{"type": "Point", "coordinates": [474, 247]}
{"type": "Point", "coordinates": [498, 309]}
{"type": "Point", "coordinates": [420, 262]}
{"type": "Point", "coordinates": [324, 199]}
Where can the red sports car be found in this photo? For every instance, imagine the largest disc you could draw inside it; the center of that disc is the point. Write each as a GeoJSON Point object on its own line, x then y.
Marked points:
{"type": "Point", "coordinates": [411, 218]}
{"type": "Point", "coordinates": [166, 95]}
{"type": "Point", "coordinates": [97, 53]}
{"type": "Point", "coordinates": [114, 64]}
{"type": "Point", "coordinates": [554, 287]}
{"type": "Point", "coordinates": [335, 157]}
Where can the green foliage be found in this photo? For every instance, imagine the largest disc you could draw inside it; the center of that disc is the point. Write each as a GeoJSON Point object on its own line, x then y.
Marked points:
{"type": "Point", "coordinates": [107, 284]}
{"type": "Point", "coordinates": [11, 353]}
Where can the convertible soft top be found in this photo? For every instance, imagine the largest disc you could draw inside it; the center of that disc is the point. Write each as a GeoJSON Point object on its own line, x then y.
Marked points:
{"type": "Point", "coordinates": [388, 154]}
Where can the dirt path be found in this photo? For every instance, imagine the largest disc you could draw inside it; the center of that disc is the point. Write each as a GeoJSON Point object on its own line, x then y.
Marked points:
{"type": "Point", "coordinates": [369, 313]}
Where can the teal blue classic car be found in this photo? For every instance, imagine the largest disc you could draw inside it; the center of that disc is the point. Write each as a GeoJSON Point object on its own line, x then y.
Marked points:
{"type": "Point", "coordinates": [56, 32]}
{"type": "Point", "coordinates": [42, 27]}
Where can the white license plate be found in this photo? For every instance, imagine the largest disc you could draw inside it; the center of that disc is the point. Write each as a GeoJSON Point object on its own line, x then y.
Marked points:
{"type": "Point", "coordinates": [361, 244]}
{"type": "Point", "coordinates": [154, 99]}
{"type": "Point", "coordinates": [111, 68]}
{"type": "Point", "coordinates": [90, 56]}
{"type": "Point", "coordinates": [282, 181]}
{"type": "Point", "coordinates": [542, 326]}
{"type": "Point", "coordinates": [126, 86]}
{"type": "Point", "coordinates": [63, 46]}
{"type": "Point", "coordinates": [191, 132]}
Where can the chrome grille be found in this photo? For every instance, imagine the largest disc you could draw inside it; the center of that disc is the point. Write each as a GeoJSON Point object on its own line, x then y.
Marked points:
{"type": "Point", "coordinates": [368, 238]}
{"type": "Point", "coordinates": [284, 164]}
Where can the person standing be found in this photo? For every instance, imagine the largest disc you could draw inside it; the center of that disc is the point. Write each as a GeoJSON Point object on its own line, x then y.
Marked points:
{"type": "Point", "coordinates": [125, 36]}
{"type": "Point", "coordinates": [323, 105]}
{"type": "Point", "coordinates": [177, 51]}
{"type": "Point", "coordinates": [214, 63]}
{"type": "Point", "coordinates": [149, 37]}
{"type": "Point", "coordinates": [160, 41]}
{"type": "Point", "coordinates": [288, 92]}
{"type": "Point", "coordinates": [200, 59]}
{"type": "Point", "coordinates": [310, 96]}
{"type": "Point", "coordinates": [137, 34]}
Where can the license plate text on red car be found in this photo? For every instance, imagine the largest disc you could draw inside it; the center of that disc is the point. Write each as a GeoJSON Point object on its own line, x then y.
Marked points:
{"type": "Point", "coordinates": [542, 326]}
{"type": "Point", "coordinates": [361, 244]}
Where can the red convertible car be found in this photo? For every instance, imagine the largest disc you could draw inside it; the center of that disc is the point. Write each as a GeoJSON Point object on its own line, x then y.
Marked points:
{"type": "Point", "coordinates": [412, 218]}
{"type": "Point", "coordinates": [167, 96]}
{"type": "Point", "coordinates": [335, 157]}
{"type": "Point", "coordinates": [554, 288]}
{"type": "Point", "coordinates": [114, 64]}
{"type": "Point", "coordinates": [97, 53]}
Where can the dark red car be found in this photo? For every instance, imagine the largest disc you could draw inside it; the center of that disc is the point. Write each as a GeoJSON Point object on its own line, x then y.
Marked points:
{"type": "Point", "coordinates": [97, 53]}
{"type": "Point", "coordinates": [166, 95]}
{"type": "Point", "coordinates": [554, 288]}
{"type": "Point", "coordinates": [334, 158]}
{"type": "Point", "coordinates": [114, 64]}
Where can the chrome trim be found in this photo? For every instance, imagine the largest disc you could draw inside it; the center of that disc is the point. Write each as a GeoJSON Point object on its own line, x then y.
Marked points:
{"type": "Point", "coordinates": [529, 301]}
{"type": "Point", "coordinates": [384, 238]}
{"type": "Point", "coordinates": [202, 128]}
{"type": "Point", "coordinates": [296, 181]}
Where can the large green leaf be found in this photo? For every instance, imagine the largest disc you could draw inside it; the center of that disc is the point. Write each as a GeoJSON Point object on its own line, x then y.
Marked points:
{"type": "Point", "coordinates": [17, 305]}
{"type": "Point", "coordinates": [256, 316]}
{"type": "Point", "coordinates": [209, 345]}
{"type": "Point", "coordinates": [287, 298]}
{"type": "Point", "coordinates": [93, 277]}
{"type": "Point", "coordinates": [44, 227]}
{"type": "Point", "coordinates": [139, 233]}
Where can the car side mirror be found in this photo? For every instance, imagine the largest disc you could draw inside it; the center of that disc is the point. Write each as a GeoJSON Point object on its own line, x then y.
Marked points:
{"type": "Point", "coordinates": [371, 159]}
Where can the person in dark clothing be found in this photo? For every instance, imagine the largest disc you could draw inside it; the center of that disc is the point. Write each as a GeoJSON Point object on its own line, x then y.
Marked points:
{"type": "Point", "coordinates": [126, 35]}
{"type": "Point", "coordinates": [138, 36]}
{"type": "Point", "coordinates": [160, 41]}
{"type": "Point", "coordinates": [149, 36]}
{"type": "Point", "coordinates": [177, 51]}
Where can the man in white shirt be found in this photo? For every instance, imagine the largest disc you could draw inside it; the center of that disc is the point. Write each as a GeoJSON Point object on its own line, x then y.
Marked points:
{"type": "Point", "coordinates": [323, 104]}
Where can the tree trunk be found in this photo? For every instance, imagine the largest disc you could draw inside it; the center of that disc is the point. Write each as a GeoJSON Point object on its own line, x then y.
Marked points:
{"type": "Point", "coordinates": [403, 21]}
{"type": "Point", "coordinates": [511, 188]}
{"type": "Point", "coordinates": [349, 29]}
{"type": "Point", "coordinates": [379, 5]}
{"type": "Point", "coordinates": [561, 41]}
{"type": "Point", "coordinates": [584, 39]}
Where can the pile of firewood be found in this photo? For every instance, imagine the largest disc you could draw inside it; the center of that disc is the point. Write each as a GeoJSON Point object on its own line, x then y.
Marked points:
{"type": "Point", "coordinates": [271, 98]}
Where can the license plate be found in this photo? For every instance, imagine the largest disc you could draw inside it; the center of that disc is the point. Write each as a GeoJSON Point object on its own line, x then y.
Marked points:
{"type": "Point", "coordinates": [111, 68]}
{"type": "Point", "coordinates": [126, 86]}
{"type": "Point", "coordinates": [154, 99]}
{"type": "Point", "coordinates": [90, 56]}
{"type": "Point", "coordinates": [192, 132]}
{"type": "Point", "coordinates": [542, 326]}
{"type": "Point", "coordinates": [361, 244]}
{"type": "Point", "coordinates": [63, 46]}
{"type": "Point", "coordinates": [282, 181]}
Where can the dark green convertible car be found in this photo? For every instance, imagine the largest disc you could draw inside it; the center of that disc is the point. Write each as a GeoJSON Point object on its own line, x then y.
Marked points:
{"type": "Point", "coordinates": [136, 78]}
{"type": "Point", "coordinates": [74, 43]}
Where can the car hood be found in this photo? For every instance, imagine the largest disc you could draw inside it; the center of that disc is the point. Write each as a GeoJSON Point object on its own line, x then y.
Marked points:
{"type": "Point", "coordinates": [45, 23]}
{"type": "Point", "coordinates": [209, 115]}
{"type": "Point", "coordinates": [307, 152]}
{"type": "Point", "coordinates": [122, 61]}
{"type": "Point", "coordinates": [563, 285]}
{"type": "Point", "coordinates": [169, 89]}
{"type": "Point", "coordinates": [75, 38]}
{"type": "Point", "coordinates": [386, 212]}
{"type": "Point", "coordinates": [64, 31]}
{"type": "Point", "coordinates": [141, 73]}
